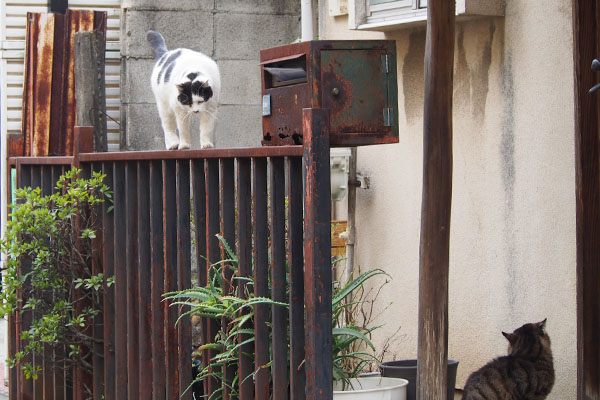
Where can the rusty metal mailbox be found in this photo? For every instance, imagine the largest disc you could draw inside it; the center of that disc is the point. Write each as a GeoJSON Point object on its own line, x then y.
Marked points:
{"type": "Point", "coordinates": [355, 80]}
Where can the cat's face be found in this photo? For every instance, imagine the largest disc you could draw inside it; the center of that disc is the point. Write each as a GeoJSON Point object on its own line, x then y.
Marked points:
{"type": "Point", "coordinates": [194, 93]}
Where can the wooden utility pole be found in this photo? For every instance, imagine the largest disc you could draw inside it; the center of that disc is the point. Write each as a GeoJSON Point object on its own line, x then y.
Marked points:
{"type": "Point", "coordinates": [436, 203]}
{"type": "Point", "coordinates": [587, 173]}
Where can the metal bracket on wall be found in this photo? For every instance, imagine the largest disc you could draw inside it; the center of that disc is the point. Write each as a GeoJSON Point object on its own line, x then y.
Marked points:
{"type": "Point", "coordinates": [362, 181]}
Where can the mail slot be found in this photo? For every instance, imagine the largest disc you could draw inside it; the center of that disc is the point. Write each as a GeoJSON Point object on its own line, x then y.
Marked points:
{"type": "Point", "coordinates": [355, 80]}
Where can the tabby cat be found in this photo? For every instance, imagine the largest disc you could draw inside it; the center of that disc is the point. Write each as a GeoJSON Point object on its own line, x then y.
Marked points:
{"type": "Point", "coordinates": [184, 82]}
{"type": "Point", "coordinates": [526, 373]}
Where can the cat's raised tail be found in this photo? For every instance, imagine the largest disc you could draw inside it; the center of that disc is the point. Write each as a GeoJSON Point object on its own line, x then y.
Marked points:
{"type": "Point", "coordinates": [157, 42]}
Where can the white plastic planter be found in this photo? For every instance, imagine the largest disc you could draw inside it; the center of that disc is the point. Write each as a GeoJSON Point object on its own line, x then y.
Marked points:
{"type": "Point", "coordinates": [371, 388]}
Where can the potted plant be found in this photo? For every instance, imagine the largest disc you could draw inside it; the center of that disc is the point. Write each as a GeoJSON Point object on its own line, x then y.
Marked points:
{"type": "Point", "coordinates": [48, 272]}
{"type": "Point", "coordinates": [353, 350]}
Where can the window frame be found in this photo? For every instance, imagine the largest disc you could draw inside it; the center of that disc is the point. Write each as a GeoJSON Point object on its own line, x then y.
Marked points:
{"type": "Point", "coordinates": [400, 14]}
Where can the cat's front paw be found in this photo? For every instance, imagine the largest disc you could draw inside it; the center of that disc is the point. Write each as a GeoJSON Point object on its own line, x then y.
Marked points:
{"type": "Point", "coordinates": [184, 146]}
{"type": "Point", "coordinates": [172, 146]}
{"type": "Point", "coordinates": [207, 145]}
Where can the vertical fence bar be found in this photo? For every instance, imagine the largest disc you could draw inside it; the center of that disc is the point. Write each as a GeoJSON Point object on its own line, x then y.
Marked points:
{"type": "Point", "coordinates": [37, 359]}
{"type": "Point", "coordinates": [170, 268]}
{"type": "Point", "coordinates": [120, 256]}
{"type": "Point", "coordinates": [158, 282]}
{"type": "Point", "coordinates": [317, 252]}
{"type": "Point", "coordinates": [244, 207]}
{"type": "Point", "coordinates": [98, 320]}
{"type": "Point", "coordinates": [278, 279]}
{"type": "Point", "coordinates": [296, 270]}
{"type": "Point", "coordinates": [214, 251]}
{"type": "Point", "coordinates": [26, 385]}
{"type": "Point", "coordinates": [144, 282]}
{"type": "Point", "coordinates": [199, 197]}
{"type": "Point", "coordinates": [228, 215]}
{"type": "Point", "coordinates": [47, 378]}
{"type": "Point", "coordinates": [132, 280]}
{"type": "Point", "coordinates": [261, 279]}
{"type": "Point", "coordinates": [108, 256]}
{"type": "Point", "coordinates": [12, 349]}
{"type": "Point", "coordinates": [184, 278]}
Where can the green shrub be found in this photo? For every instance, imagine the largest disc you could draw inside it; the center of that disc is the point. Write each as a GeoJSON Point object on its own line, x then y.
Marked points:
{"type": "Point", "coordinates": [48, 275]}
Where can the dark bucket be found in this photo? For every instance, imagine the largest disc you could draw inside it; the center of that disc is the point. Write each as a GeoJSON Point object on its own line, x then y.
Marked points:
{"type": "Point", "coordinates": [407, 369]}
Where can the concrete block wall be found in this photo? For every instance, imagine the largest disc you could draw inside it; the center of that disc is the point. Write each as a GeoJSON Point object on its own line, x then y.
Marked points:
{"type": "Point", "coordinates": [232, 32]}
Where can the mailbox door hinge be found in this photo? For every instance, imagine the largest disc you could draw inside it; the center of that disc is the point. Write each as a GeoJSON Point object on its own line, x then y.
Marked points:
{"type": "Point", "coordinates": [385, 63]}
{"type": "Point", "coordinates": [388, 116]}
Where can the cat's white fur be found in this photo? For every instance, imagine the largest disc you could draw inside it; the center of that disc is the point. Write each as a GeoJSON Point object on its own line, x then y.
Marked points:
{"type": "Point", "coordinates": [176, 116]}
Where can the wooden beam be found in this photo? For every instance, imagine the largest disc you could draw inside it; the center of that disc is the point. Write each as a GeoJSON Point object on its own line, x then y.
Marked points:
{"type": "Point", "coordinates": [90, 91]}
{"type": "Point", "coordinates": [587, 168]}
{"type": "Point", "coordinates": [436, 203]}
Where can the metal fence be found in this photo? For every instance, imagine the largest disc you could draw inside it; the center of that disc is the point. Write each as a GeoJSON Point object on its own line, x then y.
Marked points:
{"type": "Point", "coordinates": [272, 204]}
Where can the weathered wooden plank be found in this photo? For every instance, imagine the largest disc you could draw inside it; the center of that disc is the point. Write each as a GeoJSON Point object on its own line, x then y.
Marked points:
{"type": "Point", "coordinates": [317, 253]}
{"type": "Point", "coordinates": [90, 91]}
{"type": "Point", "coordinates": [436, 204]}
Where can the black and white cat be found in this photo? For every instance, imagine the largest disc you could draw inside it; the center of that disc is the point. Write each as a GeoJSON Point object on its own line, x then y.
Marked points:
{"type": "Point", "coordinates": [184, 82]}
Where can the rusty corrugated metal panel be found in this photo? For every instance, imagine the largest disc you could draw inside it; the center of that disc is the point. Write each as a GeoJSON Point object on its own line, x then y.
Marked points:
{"type": "Point", "coordinates": [57, 122]}
{"type": "Point", "coordinates": [49, 90]}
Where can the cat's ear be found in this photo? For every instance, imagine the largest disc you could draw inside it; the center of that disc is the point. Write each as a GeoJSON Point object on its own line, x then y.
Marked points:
{"type": "Point", "coordinates": [509, 336]}
{"type": "Point", "coordinates": [180, 87]}
{"type": "Point", "coordinates": [205, 84]}
{"type": "Point", "coordinates": [542, 324]}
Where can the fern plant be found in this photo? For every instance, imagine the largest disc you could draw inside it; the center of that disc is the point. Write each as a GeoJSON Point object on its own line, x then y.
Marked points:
{"type": "Point", "coordinates": [352, 347]}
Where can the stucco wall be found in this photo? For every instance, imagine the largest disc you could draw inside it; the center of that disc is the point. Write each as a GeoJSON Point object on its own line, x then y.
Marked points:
{"type": "Point", "coordinates": [512, 249]}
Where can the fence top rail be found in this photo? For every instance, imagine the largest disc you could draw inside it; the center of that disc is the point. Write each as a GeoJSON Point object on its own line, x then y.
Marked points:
{"type": "Point", "coordinates": [152, 155]}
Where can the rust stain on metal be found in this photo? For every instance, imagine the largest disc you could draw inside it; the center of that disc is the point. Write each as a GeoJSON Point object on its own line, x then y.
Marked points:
{"type": "Point", "coordinates": [49, 90]}
{"type": "Point", "coordinates": [355, 80]}
{"type": "Point", "coordinates": [43, 81]}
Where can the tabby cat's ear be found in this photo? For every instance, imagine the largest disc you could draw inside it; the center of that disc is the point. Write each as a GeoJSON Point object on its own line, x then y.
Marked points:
{"type": "Point", "coordinates": [509, 336]}
{"type": "Point", "coordinates": [542, 324]}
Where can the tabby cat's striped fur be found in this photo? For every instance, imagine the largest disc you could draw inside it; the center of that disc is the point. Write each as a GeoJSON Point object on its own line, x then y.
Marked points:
{"type": "Point", "coordinates": [526, 373]}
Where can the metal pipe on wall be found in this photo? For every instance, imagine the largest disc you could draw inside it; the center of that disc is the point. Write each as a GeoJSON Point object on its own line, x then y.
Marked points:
{"type": "Point", "coordinates": [307, 20]}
